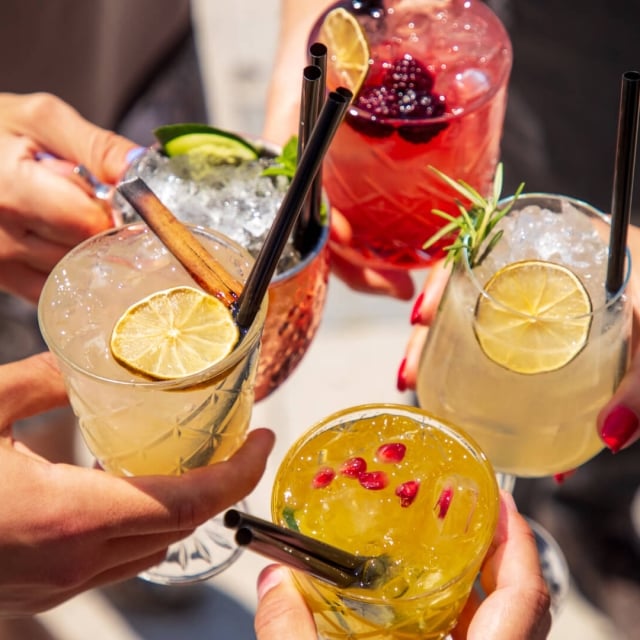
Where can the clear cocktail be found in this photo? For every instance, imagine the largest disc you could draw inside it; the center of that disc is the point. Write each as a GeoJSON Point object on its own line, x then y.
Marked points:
{"type": "Point", "coordinates": [434, 93]}
{"type": "Point", "coordinates": [133, 424]}
{"type": "Point", "coordinates": [527, 346]}
{"type": "Point", "coordinates": [390, 480]}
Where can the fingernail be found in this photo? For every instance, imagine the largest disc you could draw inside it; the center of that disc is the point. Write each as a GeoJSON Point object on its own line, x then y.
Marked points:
{"type": "Point", "coordinates": [559, 478]}
{"type": "Point", "coordinates": [135, 153]}
{"type": "Point", "coordinates": [619, 427]}
{"type": "Point", "coordinates": [401, 381]}
{"type": "Point", "coordinates": [45, 155]}
{"type": "Point", "coordinates": [268, 579]}
{"type": "Point", "coordinates": [416, 315]}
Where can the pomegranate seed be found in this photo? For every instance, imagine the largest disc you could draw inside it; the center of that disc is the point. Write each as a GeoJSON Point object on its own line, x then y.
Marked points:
{"type": "Point", "coordinates": [407, 492]}
{"type": "Point", "coordinates": [323, 478]}
{"type": "Point", "coordinates": [444, 502]}
{"type": "Point", "coordinates": [391, 452]}
{"type": "Point", "coordinates": [374, 480]}
{"type": "Point", "coordinates": [353, 467]}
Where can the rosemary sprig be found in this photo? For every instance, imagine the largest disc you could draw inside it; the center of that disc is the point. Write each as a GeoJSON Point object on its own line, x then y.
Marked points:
{"type": "Point", "coordinates": [475, 224]}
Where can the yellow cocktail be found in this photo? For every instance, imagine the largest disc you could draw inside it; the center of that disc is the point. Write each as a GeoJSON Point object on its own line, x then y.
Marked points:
{"type": "Point", "coordinates": [135, 425]}
{"type": "Point", "coordinates": [390, 480]}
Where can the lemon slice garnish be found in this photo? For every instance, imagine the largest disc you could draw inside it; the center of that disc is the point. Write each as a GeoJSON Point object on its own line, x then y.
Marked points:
{"type": "Point", "coordinates": [347, 47]}
{"type": "Point", "coordinates": [174, 333]}
{"type": "Point", "coordinates": [535, 318]}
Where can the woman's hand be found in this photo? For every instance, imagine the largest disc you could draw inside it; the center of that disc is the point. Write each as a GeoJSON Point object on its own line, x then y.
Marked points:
{"type": "Point", "coordinates": [65, 529]}
{"type": "Point", "coordinates": [516, 606]}
{"type": "Point", "coordinates": [43, 210]}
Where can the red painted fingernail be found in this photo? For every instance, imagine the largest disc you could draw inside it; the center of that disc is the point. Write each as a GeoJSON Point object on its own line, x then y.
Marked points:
{"type": "Point", "coordinates": [401, 382]}
{"type": "Point", "coordinates": [561, 477]}
{"type": "Point", "coordinates": [416, 316]}
{"type": "Point", "coordinates": [619, 427]}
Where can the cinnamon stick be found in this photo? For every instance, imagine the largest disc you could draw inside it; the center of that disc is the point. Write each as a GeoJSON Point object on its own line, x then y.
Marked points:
{"type": "Point", "coordinates": [185, 247]}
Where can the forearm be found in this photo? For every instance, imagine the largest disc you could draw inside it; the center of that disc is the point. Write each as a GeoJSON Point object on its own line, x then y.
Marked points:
{"type": "Point", "coordinates": [283, 97]}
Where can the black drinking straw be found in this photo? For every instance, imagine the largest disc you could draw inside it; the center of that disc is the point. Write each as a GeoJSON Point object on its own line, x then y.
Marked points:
{"type": "Point", "coordinates": [302, 552]}
{"type": "Point", "coordinates": [626, 144]}
{"type": "Point", "coordinates": [308, 226]}
{"type": "Point", "coordinates": [331, 115]}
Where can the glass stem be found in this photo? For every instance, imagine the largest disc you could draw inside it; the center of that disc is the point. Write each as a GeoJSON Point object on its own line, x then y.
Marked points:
{"type": "Point", "coordinates": [506, 481]}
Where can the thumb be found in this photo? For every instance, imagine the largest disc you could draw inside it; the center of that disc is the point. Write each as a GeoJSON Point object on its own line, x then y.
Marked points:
{"type": "Point", "coordinates": [282, 612]}
{"type": "Point", "coordinates": [29, 387]}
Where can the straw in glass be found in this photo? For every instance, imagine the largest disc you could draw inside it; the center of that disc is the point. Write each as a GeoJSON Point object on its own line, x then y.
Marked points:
{"type": "Point", "coordinates": [626, 147]}
{"type": "Point", "coordinates": [331, 115]}
{"type": "Point", "coordinates": [317, 558]}
{"type": "Point", "coordinates": [309, 224]}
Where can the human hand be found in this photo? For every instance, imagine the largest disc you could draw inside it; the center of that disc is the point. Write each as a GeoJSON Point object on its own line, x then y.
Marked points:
{"type": "Point", "coordinates": [516, 607]}
{"type": "Point", "coordinates": [43, 213]}
{"type": "Point", "coordinates": [65, 529]}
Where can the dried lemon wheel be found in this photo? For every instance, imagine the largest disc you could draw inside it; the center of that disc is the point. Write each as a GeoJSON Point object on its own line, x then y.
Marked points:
{"type": "Point", "coordinates": [174, 333]}
{"type": "Point", "coordinates": [534, 318]}
{"type": "Point", "coordinates": [347, 47]}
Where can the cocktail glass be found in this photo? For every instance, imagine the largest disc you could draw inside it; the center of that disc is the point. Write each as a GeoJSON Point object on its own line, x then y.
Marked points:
{"type": "Point", "coordinates": [239, 202]}
{"type": "Point", "coordinates": [134, 425]}
{"type": "Point", "coordinates": [390, 480]}
{"type": "Point", "coordinates": [532, 419]}
{"type": "Point", "coordinates": [434, 94]}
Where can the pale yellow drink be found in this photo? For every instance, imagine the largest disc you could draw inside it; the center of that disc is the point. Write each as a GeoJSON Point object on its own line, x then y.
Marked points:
{"type": "Point", "coordinates": [134, 425]}
{"type": "Point", "coordinates": [540, 423]}
{"type": "Point", "coordinates": [390, 480]}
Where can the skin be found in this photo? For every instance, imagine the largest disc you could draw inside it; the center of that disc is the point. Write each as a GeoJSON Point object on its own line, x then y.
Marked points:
{"type": "Point", "coordinates": [516, 607]}
{"type": "Point", "coordinates": [57, 539]}
{"type": "Point", "coordinates": [43, 210]}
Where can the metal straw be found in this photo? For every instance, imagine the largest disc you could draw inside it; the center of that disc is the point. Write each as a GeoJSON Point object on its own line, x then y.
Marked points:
{"type": "Point", "coordinates": [308, 225]}
{"type": "Point", "coordinates": [331, 115]}
{"type": "Point", "coordinates": [626, 146]}
{"type": "Point", "coordinates": [317, 558]}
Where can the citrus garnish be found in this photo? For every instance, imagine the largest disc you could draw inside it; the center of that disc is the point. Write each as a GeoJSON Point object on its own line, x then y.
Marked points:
{"type": "Point", "coordinates": [534, 318]}
{"type": "Point", "coordinates": [347, 47]}
{"type": "Point", "coordinates": [174, 333]}
{"type": "Point", "coordinates": [195, 138]}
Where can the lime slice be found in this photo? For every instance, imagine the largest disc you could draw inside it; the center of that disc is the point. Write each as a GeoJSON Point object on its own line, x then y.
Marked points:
{"type": "Point", "coordinates": [173, 333]}
{"type": "Point", "coordinates": [536, 317]}
{"type": "Point", "coordinates": [347, 47]}
{"type": "Point", "coordinates": [187, 138]}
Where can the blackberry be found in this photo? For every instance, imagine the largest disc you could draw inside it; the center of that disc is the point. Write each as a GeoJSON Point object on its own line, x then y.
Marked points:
{"type": "Point", "coordinates": [405, 93]}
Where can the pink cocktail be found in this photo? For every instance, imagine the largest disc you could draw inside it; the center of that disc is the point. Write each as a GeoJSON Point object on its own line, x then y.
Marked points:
{"type": "Point", "coordinates": [435, 94]}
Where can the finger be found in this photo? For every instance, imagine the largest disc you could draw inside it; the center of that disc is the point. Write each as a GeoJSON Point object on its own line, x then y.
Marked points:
{"type": "Point", "coordinates": [62, 131]}
{"type": "Point", "coordinates": [53, 207]}
{"type": "Point", "coordinates": [427, 303]}
{"type": "Point", "coordinates": [518, 603]}
{"type": "Point", "coordinates": [19, 245]}
{"type": "Point", "coordinates": [618, 423]}
{"type": "Point", "coordinates": [29, 387]}
{"type": "Point", "coordinates": [178, 503]}
{"type": "Point", "coordinates": [413, 353]}
{"type": "Point", "coordinates": [22, 280]}
{"type": "Point", "coordinates": [281, 612]}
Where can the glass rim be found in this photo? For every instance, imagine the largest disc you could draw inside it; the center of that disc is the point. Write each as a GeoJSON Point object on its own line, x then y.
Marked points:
{"type": "Point", "coordinates": [583, 207]}
{"type": "Point", "coordinates": [272, 148]}
{"type": "Point", "coordinates": [245, 344]}
{"type": "Point", "coordinates": [423, 418]}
